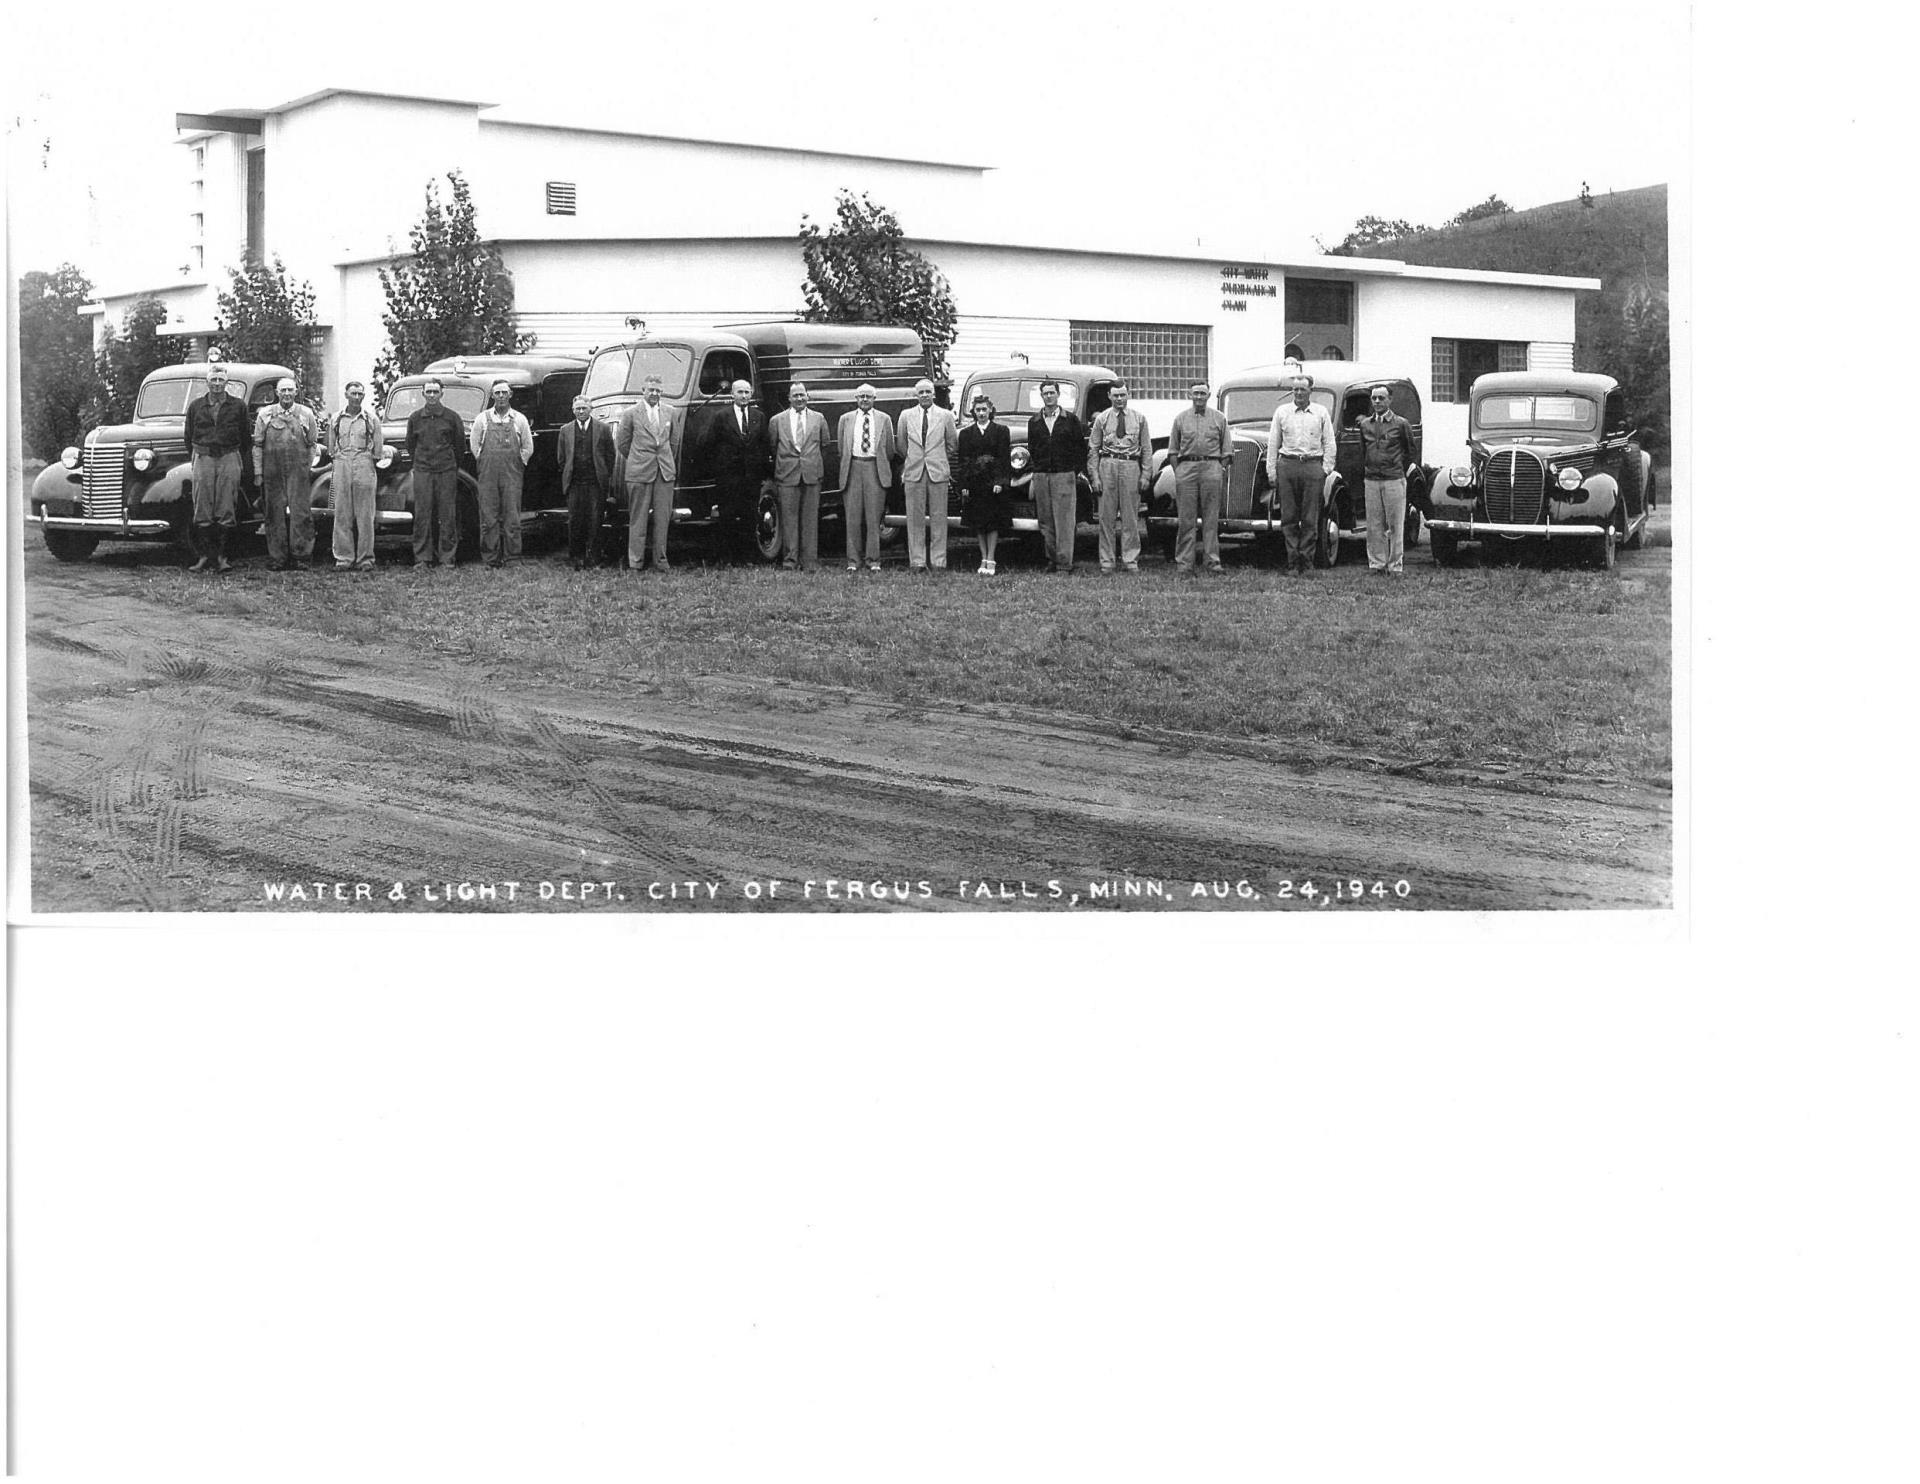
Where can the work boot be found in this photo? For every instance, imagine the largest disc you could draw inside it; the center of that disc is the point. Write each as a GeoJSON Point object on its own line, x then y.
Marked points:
{"type": "Point", "coordinates": [221, 564]}
{"type": "Point", "coordinates": [202, 547]}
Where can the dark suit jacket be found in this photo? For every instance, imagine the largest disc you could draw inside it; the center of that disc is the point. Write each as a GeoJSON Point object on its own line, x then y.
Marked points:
{"type": "Point", "coordinates": [602, 439]}
{"type": "Point", "coordinates": [736, 459]}
{"type": "Point", "coordinates": [994, 447]}
{"type": "Point", "coordinates": [1064, 452]}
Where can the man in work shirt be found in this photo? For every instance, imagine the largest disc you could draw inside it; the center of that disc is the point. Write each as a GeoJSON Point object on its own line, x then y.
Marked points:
{"type": "Point", "coordinates": [1300, 448]}
{"type": "Point", "coordinates": [1057, 450]}
{"type": "Point", "coordinates": [502, 443]}
{"type": "Point", "coordinates": [928, 440]}
{"type": "Point", "coordinates": [1200, 451]}
{"type": "Point", "coordinates": [1388, 440]}
{"type": "Point", "coordinates": [353, 437]}
{"type": "Point", "coordinates": [866, 455]}
{"type": "Point", "coordinates": [435, 436]}
{"type": "Point", "coordinates": [1117, 454]}
{"type": "Point", "coordinates": [221, 446]}
{"type": "Point", "coordinates": [285, 435]}
{"type": "Point", "coordinates": [645, 446]}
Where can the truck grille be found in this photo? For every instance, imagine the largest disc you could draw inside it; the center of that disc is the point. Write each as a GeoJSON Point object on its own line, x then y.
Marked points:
{"type": "Point", "coordinates": [104, 480]}
{"type": "Point", "coordinates": [1516, 484]}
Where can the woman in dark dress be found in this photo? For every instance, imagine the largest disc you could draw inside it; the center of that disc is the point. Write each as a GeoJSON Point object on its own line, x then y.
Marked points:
{"type": "Point", "coordinates": [986, 465]}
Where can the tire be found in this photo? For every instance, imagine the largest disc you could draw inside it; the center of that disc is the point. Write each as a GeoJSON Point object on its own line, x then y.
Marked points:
{"type": "Point", "coordinates": [1600, 549]}
{"type": "Point", "coordinates": [1639, 537]}
{"type": "Point", "coordinates": [758, 537]}
{"type": "Point", "coordinates": [69, 546]}
{"type": "Point", "coordinates": [1410, 535]}
{"type": "Point", "coordinates": [1446, 548]}
{"type": "Point", "coordinates": [1326, 551]}
{"type": "Point", "coordinates": [1636, 482]}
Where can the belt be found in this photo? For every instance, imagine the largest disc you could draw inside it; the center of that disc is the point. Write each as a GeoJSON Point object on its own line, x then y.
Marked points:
{"type": "Point", "coordinates": [213, 453]}
{"type": "Point", "coordinates": [1304, 458]}
{"type": "Point", "coordinates": [863, 458]}
{"type": "Point", "coordinates": [1125, 458]}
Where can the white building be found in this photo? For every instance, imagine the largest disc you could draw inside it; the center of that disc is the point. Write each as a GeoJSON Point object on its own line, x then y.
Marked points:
{"type": "Point", "coordinates": [599, 227]}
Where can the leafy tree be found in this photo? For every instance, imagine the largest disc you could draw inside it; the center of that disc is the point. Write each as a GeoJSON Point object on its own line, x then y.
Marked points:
{"type": "Point", "coordinates": [58, 383]}
{"type": "Point", "coordinates": [453, 296]}
{"type": "Point", "coordinates": [1492, 206]}
{"type": "Point", "coordinates": [1631, 344]}
{"type": "Point", "coordinates": [861, 271]}
{"type": "Point", "coordinates": [1370, 231]}
{"type": "Point", "coordinates": [263, 315]}
{"type": "Point", "coordinates": [129, 353]}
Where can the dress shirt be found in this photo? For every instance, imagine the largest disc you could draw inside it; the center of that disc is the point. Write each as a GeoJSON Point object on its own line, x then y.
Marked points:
{"type": "Point", "coordinates": [1205, 434]}
{"type": "Point", "coordinates": [353, 432]}
{"type": "Point", "coordinates": [1300, 433]}
{"type": "Point", "coordinates": [1108, 442]}
{"type": "Point", "coordinates": [219, 427]}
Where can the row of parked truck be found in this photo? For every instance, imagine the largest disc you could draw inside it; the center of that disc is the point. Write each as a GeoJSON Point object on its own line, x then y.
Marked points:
{"type": "Point", "coordinates": [1552, 455]}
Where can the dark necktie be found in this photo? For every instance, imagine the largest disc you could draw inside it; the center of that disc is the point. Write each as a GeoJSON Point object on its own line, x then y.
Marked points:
{"type": "Point", "coordinates": [866, 433]}
{"type": "Point", "coordinates": [1123, 423]}
{"type": "Point", "coordinates": [741, 413]}
{"type": "Point", "coordinates": [924, 414]}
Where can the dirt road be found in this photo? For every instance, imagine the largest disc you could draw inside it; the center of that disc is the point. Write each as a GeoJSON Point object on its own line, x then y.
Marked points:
{"type": "Point", "coordinates": [186, 762]}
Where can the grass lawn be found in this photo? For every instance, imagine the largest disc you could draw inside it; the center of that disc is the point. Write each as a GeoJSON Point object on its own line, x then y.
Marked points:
{"type": "Point", "coordinates": [1561, 670]}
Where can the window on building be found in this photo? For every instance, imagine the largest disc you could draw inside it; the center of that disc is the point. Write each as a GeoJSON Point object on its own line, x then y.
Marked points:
{"type": "Point", "coordinates": [257, 205]}
{"type": "Point", "coordinates": [1157, 362]}
{"type": "Point", "coordinates": [1320, 313]}
{"type": "Point", "coordinates": [1457, 362]}
{"type": "Point", "coordinates": [560, 198]}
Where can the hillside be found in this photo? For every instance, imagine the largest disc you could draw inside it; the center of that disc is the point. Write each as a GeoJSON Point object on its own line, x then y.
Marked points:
{"type": "Point", "coordinates": [1620, 239]}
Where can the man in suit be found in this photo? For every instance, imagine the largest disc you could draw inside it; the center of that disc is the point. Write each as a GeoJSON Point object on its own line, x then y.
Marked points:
{"type": "Point", "coordinates": [927, 438]}
{"type": "Point", "coordinates": [587, 473]}
{"type": "Point", "coordinates": [645, 446]}
{"type": "Point", "coordinates": [799, 437]}
{"type": "Point", "coordinates": [736, 448]}
{"type": "Point", "coordinates": [1057, 448]}
{"type": "Point", "coordinates": [866, 462]}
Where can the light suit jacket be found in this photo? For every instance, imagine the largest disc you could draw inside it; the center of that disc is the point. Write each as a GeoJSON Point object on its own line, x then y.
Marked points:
{"type": "Point", "coordinates": [799, 446]}
{"type": "Point", "coordinates": [882, 444]}
{"type": "Point", "coordinates": [648, 455]}
{"type": "Point", "coordinates": [935, 461]}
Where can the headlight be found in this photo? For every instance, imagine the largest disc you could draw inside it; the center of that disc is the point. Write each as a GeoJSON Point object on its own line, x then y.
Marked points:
{"type": "Point", "coordinates": [385, 458]}
{"type": "Point", "coordinates": [1459, 476]}
{"type": "Point", "coordinates": [1021, 458]}
{"type": "Point", "coordinates": [1568, 479]}
{"type": "Point", "coordinates": [70, 457]}
{"type": "Point", "coordinates": [143, 459]}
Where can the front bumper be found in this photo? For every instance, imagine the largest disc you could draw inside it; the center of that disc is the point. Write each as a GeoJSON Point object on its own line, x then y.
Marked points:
{"type": "Point", "coordinates": [102, 525]}
{"type": "Point", "coordinates": [1471, 528]}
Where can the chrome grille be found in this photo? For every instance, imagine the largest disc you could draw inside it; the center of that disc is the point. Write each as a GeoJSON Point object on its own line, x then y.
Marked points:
{"type": "Point", "coordinates": [1516, 484]}
{"type": "Point", "coordinates": [104, 480]}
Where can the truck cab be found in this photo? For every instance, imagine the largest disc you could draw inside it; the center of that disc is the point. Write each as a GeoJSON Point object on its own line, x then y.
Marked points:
{"type": "Point", "coordinates": [1085, 391]}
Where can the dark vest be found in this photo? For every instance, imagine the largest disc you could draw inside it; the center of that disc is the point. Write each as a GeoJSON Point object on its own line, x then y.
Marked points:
{"type": "Point", "coordinates": [584, 467]}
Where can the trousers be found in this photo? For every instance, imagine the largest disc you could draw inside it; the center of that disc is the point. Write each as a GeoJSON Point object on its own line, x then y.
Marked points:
{"type": "Point", "coordinates": [866, 508]}
{"type": "Point", "coordinates": [649, 508]}
{"type": "Point", "coordinates": [926, 521]}
{"type": "Point", "coordinates": [286, 481]}
{"type": "Point", "coordinates": [800, 525]}
{"type": "Point", "coordinates": [1297, 493]}
{"type": "Point", "coordinates": [1386, 523]}
{"type": "Point", "coordinates": [216, 487]}
{"type": "Point", "coordinates": [436, 515]}
{"type": "Point", "coordinates": [354, 484]}
{"type": "Point", "coordinates": [501, 473]}
{"type": "Point", "coordinates": [1120, 501]}
{"type": "Point", "coordinates": [1054, 498]}
{"type": "Point", "coordinates": [1197, 489]}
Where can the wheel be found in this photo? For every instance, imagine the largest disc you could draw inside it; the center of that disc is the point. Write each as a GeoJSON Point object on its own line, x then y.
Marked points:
{"type": "Point", "coordinates": [69, 546]}
{"type": "Point", "coordinates": [1633, 497]}
{"type": "Point", "coordinates": [1411, 535]}
{"type": "Point", "coordinates": [1327, 550]}
{"type": "Point", "coordinates": [758, 537]}
{"type": "Point", "coordinates": [1639, 538]}
{"type": "Point", "coordinates": [1446, 547]}
{"type": "Point", "coordinates": [1600, 549]}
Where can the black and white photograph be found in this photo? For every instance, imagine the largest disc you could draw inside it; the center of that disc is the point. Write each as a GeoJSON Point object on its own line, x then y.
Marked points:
{"type": "Point", "coordinates": [898, 743]}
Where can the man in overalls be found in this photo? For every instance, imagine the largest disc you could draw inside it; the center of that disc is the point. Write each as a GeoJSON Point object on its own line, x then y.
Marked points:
{"type": "Point", "coordinates": [354, 438]}
{"type": "Point", "coordinates": [286, 434]}
{"type": "Point", "coordinates": [502, 447]}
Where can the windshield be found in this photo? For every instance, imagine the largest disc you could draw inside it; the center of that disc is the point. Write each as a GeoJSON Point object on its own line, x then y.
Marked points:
{"type": "Point", "coordinates": [404, 401]}
{"type": "Point", "coordinates": [169, 398]}
{"type": "Point", "coordinates": [1257, 404]}
{"type": "Point", "coordinates": [1069, 397]}
{"type": "Point", "coordinates": [1566, 414]}
{"type": "Point", "coordinates": [671, 363]}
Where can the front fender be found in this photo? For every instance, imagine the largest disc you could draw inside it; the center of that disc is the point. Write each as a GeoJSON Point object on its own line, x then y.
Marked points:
{"type": "Point", "coordinates": [1333, 494]}
{"type": "Point", "coordinates": [58, 483]}
{"type": "Point", "coordinates": [1602, 497]}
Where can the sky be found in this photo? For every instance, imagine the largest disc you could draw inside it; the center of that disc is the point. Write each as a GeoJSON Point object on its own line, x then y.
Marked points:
{"type": "Point", "coordinates": [1241, 126]}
